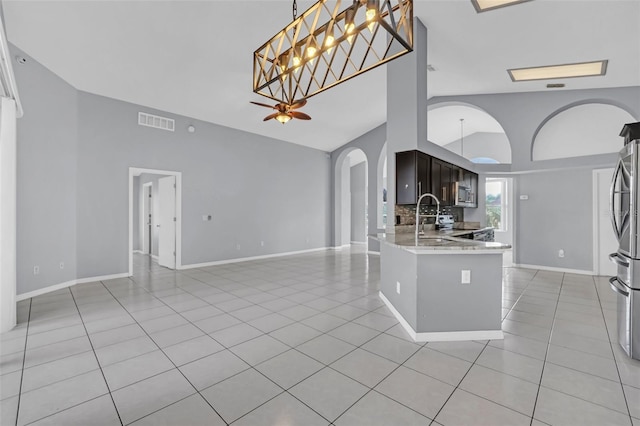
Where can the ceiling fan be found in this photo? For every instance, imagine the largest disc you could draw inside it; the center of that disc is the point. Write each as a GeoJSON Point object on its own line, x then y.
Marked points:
{"type": "Point", "coordinates": [285, 111]}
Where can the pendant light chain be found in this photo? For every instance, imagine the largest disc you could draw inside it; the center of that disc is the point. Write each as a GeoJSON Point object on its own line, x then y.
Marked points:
{"type": "Point", "coordinates": [295, 10]}
{"type": "Point", "coordinates": [462, 137]}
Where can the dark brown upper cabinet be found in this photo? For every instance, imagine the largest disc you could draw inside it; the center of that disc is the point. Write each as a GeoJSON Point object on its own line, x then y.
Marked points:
{"type": "Point", "coordinates": [413, 170]}
{"type": "Point", "coordinates": [418, 173]}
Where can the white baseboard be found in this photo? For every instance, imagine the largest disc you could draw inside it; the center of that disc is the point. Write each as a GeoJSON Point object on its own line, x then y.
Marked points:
{"type": "Point", "coordinates": [138, 251]}
{"type": "Point", "coordinates": [55, 287]}
{"type": "Point", "coordinates": [246, 259]}
{"type": "Point", "coordinates": [377, 253]}
{"type": "Point", "coordinates": [554, 269]}
{"type": "Point", "coordinates": [444, 336]}
{"type": "Point", "coordinates": [154, 257]}
{"type": "Point", "coordinates": [359, 242]}
{"type": "Point", "coordinates": [340, 247]}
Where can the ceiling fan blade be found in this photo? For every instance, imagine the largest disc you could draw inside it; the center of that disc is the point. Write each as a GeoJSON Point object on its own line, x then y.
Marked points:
{"type": "Point", "coordinates": [300, 115]}
{"type": "Point", "coordinates": [298, 104]}
{"type": "Point", "coordinates": [264, 105]}
{"type": "Point", "coordinates": [269, 117]}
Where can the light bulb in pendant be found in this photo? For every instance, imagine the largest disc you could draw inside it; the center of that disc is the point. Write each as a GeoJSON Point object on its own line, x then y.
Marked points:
{"type": "Point", "coordinates": [349, 24]}
{"type": "Point", "coordinates": [297, 60]}
{"type": "Point", "coordinates": [312, 51]}
{"type": "Point", "coordinates": [373, 7]}
{"type": "Point", "coordinates": [329, 40]}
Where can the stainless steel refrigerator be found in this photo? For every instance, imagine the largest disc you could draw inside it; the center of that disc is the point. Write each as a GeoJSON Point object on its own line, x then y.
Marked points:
{"type": "Point", "coordinates": [625, 206]}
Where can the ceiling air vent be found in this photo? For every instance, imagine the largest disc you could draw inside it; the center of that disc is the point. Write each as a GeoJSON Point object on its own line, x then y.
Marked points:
{"type": "Point", "coordinates": [155, 121]}
{"type": "Point", "coordinates": [555, 85]}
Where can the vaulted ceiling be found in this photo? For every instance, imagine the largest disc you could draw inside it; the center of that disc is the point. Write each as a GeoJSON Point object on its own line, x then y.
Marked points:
{"type": "Point", "coordinates": [194, 58]}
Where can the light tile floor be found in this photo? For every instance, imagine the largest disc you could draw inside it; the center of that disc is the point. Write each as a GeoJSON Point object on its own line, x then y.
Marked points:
{"type": "Point", "coordinates": [305, 340]}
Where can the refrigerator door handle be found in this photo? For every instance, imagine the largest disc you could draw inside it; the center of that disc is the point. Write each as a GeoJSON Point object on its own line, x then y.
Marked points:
{"type": "Point", "coordinates": [619, 260]}
{"type": "Point", "coordinates": [615, 286]}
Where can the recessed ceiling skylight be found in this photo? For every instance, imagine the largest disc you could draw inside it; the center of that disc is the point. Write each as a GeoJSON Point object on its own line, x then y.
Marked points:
{"type": "Point", "coordinates": [583, 69]}
{"type": "Point", "coordinates": [484, 5]}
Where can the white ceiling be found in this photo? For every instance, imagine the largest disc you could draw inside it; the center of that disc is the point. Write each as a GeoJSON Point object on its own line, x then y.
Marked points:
{"type": "Point", "coordinates": [194, 58]}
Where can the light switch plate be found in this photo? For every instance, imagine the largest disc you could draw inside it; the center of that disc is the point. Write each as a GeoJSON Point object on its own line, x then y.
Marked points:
{"type": "Point", "coordinates": [466, 276]}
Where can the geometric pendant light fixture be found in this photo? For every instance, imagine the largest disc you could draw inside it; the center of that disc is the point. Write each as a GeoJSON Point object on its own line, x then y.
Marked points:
{"type": "Point", "coordinates": [326, 46]}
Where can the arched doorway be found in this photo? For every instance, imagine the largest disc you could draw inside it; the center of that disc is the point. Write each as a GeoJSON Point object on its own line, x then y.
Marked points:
{"type": "Point", "coordinates": [351, 200]}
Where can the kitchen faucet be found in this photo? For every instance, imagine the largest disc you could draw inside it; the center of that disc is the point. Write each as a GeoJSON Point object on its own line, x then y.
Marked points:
{"type": "Point", "coordinates": [418, 210]}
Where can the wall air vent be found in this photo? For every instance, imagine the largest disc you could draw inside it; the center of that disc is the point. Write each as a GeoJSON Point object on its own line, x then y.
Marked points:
{"type": "Point", "coordinates": [555, 85]}
{"type": "Point", "coordinates": [155, 121]}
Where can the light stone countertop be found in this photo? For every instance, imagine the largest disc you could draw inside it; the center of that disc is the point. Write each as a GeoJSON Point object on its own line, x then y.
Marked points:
{"type": "Point", "coordinates": [439, 242]}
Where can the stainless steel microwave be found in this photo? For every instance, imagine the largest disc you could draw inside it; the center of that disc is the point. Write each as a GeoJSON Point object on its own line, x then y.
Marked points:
{"type": "Point", "coordinates": [463, 195]}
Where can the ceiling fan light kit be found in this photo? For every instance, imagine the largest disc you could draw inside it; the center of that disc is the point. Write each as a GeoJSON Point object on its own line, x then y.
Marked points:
{"type": "Point", "coordinates": [325, 46]}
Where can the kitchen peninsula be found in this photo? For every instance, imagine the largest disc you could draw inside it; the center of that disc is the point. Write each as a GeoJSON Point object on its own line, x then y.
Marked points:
{"type": "Point", "coordinates": [441, 287]}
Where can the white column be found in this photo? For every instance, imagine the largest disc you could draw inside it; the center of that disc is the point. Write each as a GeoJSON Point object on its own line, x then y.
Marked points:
{"type": "Point", "coordinates": [7, 214]}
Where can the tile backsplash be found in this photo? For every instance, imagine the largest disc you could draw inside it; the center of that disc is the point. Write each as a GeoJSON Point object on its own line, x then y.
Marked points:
{"type": "Point", "coordinates": [406, 214]}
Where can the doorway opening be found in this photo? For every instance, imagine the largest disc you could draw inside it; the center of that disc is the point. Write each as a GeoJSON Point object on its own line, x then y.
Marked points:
{"type": "Point", "coordinates": [499, 213]}
{"type": "Point", "coordinates": [351, 218]}
{"type": "Point", "coordinates": [155, 216]}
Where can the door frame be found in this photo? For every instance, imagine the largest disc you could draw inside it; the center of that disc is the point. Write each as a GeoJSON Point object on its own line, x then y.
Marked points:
{"type": "Point", "coordinates": [595, 217]}
{"type": "Point", "coordinates": [137, 171]}
{"type": "Point", "coordinates": [146, 208]}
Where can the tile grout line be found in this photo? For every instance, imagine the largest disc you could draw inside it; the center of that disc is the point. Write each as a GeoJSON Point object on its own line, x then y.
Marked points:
{"type": "Point", "coordinates": [164, 353]}
{"type": "Point", "coordinates": [615, 361]}
{"type": "Point", "coordinates": [546, 353]}
{"type": "Point", "coordinates": [24, 360]}
{"type": "Point", "coordinates": [96, 357]}
{"type": "Point", "coordinates": [290, 348]}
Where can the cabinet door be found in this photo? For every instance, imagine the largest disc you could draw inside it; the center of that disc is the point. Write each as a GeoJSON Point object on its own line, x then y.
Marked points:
{"type": "Point", "coordinates": [474, 188]}
{"type": "Point", "coordinates": [436, 179]}
{"type": "Point", "coordinates": [423, 177]}
{"type": "Point", "coordinates": [446, 182]}
{"type": "Point", "coordinates": [406, 181]}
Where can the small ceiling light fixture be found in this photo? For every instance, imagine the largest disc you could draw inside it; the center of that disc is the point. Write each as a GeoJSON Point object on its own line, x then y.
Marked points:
{"type": "Point", "coordinates": [581, 69]}
{"type": "Point", "coordinates": [309, 56]}
{"type": "Point", "coordinates": [485, 5]}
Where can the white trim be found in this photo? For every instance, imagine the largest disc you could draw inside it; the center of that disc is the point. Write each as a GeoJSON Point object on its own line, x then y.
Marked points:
{"type": "Point", "coordinates": [554, 269]}
{"type": "Point", "coordinates": [6, 68]}
{"type": "Point", "coordinates": [246, 259]}
{"type": "Point", "coordinates": [359, 242]}
{"type": "Point", "coordinates": [443, 336]}
{"type": "Point", "coordinates": [376, 253]}
{"type": "Point", "coordinates": [154, 257]}
{"type": "Point", "coordinates": [341, 247]}
{"type": "Point", "coordinates": [55, 287]}
{"type": "Point", "coordinates": [138, 251]}
{"type": "Point", "coordinates": [8, 213]}
{"type": "Point", "coordinates": [137, 171]}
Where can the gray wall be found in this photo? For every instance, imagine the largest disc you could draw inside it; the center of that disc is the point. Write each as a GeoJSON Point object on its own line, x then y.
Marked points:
{"type": "Point", "coordinates": [46, 177]}
{"type": "Point", "coordinates": [371, 143]}
{"type": "Point", "coordinates": [75, 150]}
{"type": "Point", "coordinates": [557, 215]}
{"type": "Point", "coordinates": [358, 202]}
{"type": "Point", "coordinates": [560, 211]}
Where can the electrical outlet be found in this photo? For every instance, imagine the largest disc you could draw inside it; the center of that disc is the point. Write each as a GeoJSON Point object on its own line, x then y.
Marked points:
{"type": "Point", "coordinates": [61, 265]}
{"type": "Point", "coordinates": [560, 253]}
{"type": "Point", "coordinates": [261, 243]}
{"type": "Point", "coordinates": [398, 287]}
{"type": "Point", "coordinates": [36, 270]}
{"type": "Point", "coordinates": [307, 240]}
{"type": "Point", "coordinates": [465, 276]}
{"type": "Point", "coordinates": [237, 246]}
